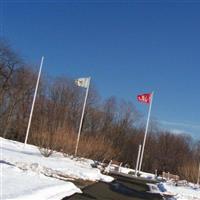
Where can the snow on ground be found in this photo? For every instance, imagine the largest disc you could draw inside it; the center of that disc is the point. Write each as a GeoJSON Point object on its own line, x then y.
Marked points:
{"type": "Point", "coordinates": [26, 174]}
{"type": "Point", "coordinates": [17, 154]}
{"type": "Point", "coordinates": [184, 192]}
{"type": "Point", "coordinates": [188, 192]}
{"type": "Point", "coordinates": [18, 184]}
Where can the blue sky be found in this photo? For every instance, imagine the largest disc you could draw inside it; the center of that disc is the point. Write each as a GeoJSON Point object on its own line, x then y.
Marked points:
{"type": "Point", "coordinates": [127, 48]}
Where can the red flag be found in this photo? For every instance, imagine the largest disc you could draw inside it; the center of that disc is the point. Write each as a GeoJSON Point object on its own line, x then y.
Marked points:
{"type": "Point", "coordinates": [144, 98]}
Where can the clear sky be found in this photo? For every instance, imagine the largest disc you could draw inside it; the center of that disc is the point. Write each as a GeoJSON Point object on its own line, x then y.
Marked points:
{"type": "Point", "coordinates": [127, 48]}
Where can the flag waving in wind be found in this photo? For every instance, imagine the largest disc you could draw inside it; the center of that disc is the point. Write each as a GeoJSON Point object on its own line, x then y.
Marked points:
{"type": "Point", "coordinates": [144, 98]}
{"type": "Point", "coordinates": [82, 82]}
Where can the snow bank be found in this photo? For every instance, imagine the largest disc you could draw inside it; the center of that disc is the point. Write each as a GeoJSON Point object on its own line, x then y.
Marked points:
{"type": "Point", "coordinates": [21, 185]}
{"type": "Point", "coordinates": [27, 175]}
{"type": "Point", "coordinates": [17, 154]}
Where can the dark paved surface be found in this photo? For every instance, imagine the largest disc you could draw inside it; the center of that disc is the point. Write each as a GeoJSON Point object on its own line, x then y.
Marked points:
{"type": "Point", "coordinates": [119, 189]}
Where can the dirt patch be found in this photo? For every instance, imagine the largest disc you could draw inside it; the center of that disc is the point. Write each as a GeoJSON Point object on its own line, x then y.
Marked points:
{"type": "Point", "coordinates": [82, 183]}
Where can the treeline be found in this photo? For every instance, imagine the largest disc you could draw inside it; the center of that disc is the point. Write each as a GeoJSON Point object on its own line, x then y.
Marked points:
{"type": "Point", "coordinates": [111, 130]}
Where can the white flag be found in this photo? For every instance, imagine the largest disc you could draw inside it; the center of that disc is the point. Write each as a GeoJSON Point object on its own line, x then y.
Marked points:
{"type": "Point", "coordinates": [83, 82]}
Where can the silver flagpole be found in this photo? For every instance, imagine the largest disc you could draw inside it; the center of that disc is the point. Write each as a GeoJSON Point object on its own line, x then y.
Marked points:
{"type": "Point", "coordinates": [82, 116]}
{"type": "Point", "coordinates": [145, 135]}
{"type": "Point", "coordinates": [33, 103]}
{"type": "Point", "coordinates": [138, 158]}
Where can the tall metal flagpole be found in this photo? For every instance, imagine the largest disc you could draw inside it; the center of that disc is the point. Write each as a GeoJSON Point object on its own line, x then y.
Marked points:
{"type": "Point", "coordinates": [145, 135]}
{"type": "Point", "coordinates": [82, 116]}
{"type": "Point", "coordinates": [33, 103]}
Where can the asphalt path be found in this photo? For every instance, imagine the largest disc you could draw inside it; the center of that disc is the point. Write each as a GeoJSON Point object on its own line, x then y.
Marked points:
{"type": "Point", "coordinates": [120, 189]}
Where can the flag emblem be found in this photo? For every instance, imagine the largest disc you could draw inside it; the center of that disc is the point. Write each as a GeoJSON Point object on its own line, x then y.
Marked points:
{"type": "Point", "coordinates": [144, 98]}
{"type": "Point", "coordinates": [82, 82]}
